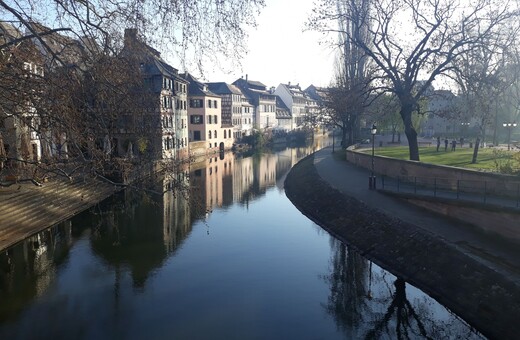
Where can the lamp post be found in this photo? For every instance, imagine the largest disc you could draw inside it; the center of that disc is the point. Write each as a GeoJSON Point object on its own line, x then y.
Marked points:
{"type": "Point", "coordinates": [372, 178]}
{"type": "Point", "coordinates": [509, 126]}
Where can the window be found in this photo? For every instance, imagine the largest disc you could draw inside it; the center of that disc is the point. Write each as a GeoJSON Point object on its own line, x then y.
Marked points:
{"type": "Point", "coordinates": [209, 120]}
{"type": "Point", "coordinates": [215, 119]}
{"type": "Point", "coordinates": [196, 103]}
{"type": "Point", "coordinates": [196, 135]}
{"type": "Point", "coordinates": [209, 103]}
{"type": "Point", "coordinates": [225, 135]}
{"type": "Point", "coordinates": [209, 134]}
{"type": "Point", "coordinates": [215, 133]}
{"type": "Point", "coordinates": [215, 104]}
{"type": "Point", "coordinates": [196, 119]}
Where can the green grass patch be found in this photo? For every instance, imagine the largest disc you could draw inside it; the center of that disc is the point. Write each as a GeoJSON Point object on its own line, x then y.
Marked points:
{"type": "Point", "coordinates": [488, 159]}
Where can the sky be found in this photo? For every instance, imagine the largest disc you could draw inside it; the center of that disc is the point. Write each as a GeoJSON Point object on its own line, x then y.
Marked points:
{"type": "Point", "coordinates": [293, 55]}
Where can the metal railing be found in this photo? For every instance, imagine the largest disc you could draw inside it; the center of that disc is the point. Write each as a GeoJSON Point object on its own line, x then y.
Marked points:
{"type": "Point", "coordinates": [497, 193]}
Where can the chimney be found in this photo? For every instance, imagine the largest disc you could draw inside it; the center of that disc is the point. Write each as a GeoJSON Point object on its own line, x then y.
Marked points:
{"type": "Point", "coordinates": [246, 77]}
{"type": "Point", "coordinates": [130, 36]}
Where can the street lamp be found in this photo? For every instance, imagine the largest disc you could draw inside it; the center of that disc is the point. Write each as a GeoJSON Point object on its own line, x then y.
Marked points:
{"type": "Point", "coordinates": [509, 126]}
{"type": "Point", "coordinates": [372, 178]}
{"type": "Point", "coordinates": [465, 126]}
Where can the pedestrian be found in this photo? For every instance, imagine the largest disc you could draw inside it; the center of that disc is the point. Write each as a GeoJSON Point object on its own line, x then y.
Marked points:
{"type": "Point", "coordinates": [446, 144]}
{"type": "Point", "coordinates": [453, 145]}
{"type": "Point", "coordinates": [438, 142]}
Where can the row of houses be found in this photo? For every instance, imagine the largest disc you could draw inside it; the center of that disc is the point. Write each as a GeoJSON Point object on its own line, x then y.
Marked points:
{"type": "Point", "coordinates": [187, 117]}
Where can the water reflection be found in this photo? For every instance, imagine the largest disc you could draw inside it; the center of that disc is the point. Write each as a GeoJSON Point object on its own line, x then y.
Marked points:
{"type": "Point", "coordinates": [130, 265]}
{"type": "Point", "coordinates": [367, 302]}
{"type": "Point", "coordinates": [29, 269]}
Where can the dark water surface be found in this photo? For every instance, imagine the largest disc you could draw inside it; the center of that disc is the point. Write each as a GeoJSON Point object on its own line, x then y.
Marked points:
{"type": "Point", "coordinates": [234, 260]}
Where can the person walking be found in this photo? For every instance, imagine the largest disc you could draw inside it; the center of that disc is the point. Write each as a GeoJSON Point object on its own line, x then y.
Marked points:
{"type": "Point", "coordinates": [446, 144]}
{"type": "Point", "coordinates": [438, 142]}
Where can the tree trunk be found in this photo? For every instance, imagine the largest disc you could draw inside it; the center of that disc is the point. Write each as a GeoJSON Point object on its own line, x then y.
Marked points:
{"type": "Point", "coordinates": [344, 132]}
{"type": "Point", "coordinates": [411, 134]}
{"type": "Point", "coordinates": [475, 151]}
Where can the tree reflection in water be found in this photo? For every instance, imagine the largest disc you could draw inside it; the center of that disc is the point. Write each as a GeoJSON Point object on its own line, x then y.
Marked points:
{"type": "Point", "coordinates": [368, 302]}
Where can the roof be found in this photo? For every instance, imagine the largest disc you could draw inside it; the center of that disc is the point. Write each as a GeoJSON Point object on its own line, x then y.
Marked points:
{"type": "Point", "coordinates": [61, 48]}
{"type": "Point", "coordinates": [8, 32]}
{"type": "Point", "coordinates": [196, 87]}
{"type": "Point", "coordinates": [223, 88]}
{"type": "Point", "coordinates": [316, 93]}
{"type": "Point", "coordinates": [282, 111]}
{"type": "Point", "coordinates": [250, 84]}
{"type": "Point", "coordinates": [150, 58]}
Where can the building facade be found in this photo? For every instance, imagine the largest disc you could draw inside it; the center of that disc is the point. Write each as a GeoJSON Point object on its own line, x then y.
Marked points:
{"type": "Point", "coordinates": [205, 119]}
{"type": "Point", "coordinates": [297, 103]}
{"type": "Point", "coordinates": [263, 101]}
{"type": "Point", "coordinates": [167, 119]}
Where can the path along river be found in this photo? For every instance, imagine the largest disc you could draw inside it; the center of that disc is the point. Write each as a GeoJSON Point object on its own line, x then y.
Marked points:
{"type": "Point", "coordinates": [234, 260]}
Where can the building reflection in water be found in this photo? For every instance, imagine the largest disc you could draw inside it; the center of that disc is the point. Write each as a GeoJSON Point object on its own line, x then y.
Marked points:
{"type": "Point", "coordinates": [367, 302]}
{"type": "Point", "coordinates": [28, 270]}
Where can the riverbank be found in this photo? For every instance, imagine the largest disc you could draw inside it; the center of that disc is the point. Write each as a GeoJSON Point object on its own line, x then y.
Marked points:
{"type": "Point", "coordinates": [486, 298]}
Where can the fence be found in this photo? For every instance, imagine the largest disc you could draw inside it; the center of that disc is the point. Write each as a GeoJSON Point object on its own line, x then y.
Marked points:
{"type": "Point", "coordinates": [449, 188]}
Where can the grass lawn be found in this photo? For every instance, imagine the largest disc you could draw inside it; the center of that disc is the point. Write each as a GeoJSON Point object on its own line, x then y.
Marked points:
{"type": "Point", "coordinates": [460, 158]}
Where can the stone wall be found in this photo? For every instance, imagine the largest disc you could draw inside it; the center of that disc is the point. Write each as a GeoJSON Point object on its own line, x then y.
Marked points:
{"type": "Point", "coordinates": [495, 220]}
{"type": "Point", "coordinates": [495, 184]}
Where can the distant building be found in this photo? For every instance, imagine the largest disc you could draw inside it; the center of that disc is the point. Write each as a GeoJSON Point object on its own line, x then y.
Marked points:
{"type": "Point", "coordinates": [236, 109]}
{"type": "Point", "coordinates": [206, 131]}
{"type": "Point", "coordinates": [263, 101]}
{"type": "Point", "coordinates": [21, 80]}
{"type": "Point", "coordinates": [283, 115]}
{"type": "Point", "coordinates": [295, 100]}
{"type": "Point", "coordinates": [442, 114]}
{"type": "Point", "coordinates": [316, 97]}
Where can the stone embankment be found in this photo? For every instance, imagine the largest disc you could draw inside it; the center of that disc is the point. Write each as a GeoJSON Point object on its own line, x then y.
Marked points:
{"type": "Point", "coordinates": [484, 298]}
{"type": "Point", "coordinates": [26, 209]}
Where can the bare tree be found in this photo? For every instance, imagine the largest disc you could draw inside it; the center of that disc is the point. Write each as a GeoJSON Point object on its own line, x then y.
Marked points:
{"type": "Point", "coordinates": [85, 90]}
{"type": "Point", "coordinates": [199, 29]}
{"type": "Point", "coordinates": [412, 40]}
{"type": "Point", "coordinates": [482, 80]}
{"type": "Point", "coordinates": [352, 88]}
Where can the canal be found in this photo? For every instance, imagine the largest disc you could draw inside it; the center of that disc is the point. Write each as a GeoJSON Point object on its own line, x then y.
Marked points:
{"type": "Point", "coordinates": [231, 258]}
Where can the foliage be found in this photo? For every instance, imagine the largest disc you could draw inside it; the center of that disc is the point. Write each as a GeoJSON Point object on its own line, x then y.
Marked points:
{"type": "Point", "coordinates": [256, 140]}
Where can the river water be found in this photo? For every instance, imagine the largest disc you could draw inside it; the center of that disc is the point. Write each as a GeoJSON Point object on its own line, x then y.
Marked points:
{"type": "Point", "coordinates": [230, 259]}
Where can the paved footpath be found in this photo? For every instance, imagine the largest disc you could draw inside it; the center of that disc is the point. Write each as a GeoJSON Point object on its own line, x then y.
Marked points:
{"type": "Point", "coordinates": [492, 251]}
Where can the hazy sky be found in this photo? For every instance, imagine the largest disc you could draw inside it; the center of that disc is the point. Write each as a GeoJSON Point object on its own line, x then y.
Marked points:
{"type": "Point", "coordinates": [279, 50]}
